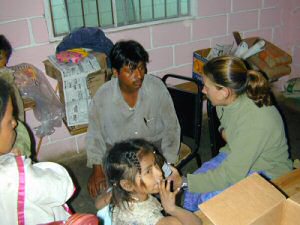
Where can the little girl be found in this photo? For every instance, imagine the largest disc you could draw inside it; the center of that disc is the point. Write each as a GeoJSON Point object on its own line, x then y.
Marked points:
{"type": "Point", "coordinates": [133, 174]}
{"type": "Point", "coordinates": [29, 193]}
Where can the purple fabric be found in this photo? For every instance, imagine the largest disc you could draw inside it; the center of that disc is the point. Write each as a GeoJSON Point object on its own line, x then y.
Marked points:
{"type": "Point", "coordinates": [192, 200]}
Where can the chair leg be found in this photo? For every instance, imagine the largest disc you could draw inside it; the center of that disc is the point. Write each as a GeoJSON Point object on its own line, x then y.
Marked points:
{"type": "Point", "coordinates": [198, 160]}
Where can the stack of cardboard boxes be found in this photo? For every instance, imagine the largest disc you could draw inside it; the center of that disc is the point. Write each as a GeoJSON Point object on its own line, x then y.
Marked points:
{"type": "Point", "coordinates": [273, 62]}
{"type": "Point", "coordinates": [94, 81]}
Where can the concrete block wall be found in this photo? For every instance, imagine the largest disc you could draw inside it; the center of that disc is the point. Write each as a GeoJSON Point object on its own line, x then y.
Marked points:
{"type": "Point", "coordinates": [170, 45]}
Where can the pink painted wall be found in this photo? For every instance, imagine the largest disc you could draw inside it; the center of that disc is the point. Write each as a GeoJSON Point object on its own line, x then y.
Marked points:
{"type": "Point", "coordinates": [170, 45]}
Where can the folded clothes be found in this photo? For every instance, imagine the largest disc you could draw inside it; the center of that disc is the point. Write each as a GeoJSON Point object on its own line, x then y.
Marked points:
{"type": "Point", "coordinates": [72, 55]}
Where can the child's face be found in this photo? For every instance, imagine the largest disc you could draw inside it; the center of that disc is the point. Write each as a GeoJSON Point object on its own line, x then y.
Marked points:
{"type": "Point", "coordinates": [7, 130]}
{"type": "Point", "coordinates": [151, 174]}
{"type": "Point", "coordinates": [3, 58]}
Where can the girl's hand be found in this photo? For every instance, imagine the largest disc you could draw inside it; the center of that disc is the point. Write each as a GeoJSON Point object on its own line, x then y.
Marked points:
{"type": "Point", "coordinates": [176, 178]}
{"type": "Point", "coordinates": [167, 197]}
{"type": "Point", "coordinates": [103, 199]}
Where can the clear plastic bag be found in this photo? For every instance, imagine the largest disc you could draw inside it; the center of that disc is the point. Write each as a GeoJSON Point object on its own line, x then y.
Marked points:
{"type": "Point", "coordinates": [33, 84]}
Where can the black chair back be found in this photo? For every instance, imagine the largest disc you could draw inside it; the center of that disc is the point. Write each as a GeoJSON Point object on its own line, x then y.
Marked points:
{"type": "Point", "coordinates": [188, 107]}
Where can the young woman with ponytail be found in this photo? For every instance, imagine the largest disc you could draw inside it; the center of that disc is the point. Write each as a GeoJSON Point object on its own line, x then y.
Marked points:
{"type": "Point", "coordinates": [251, 126]}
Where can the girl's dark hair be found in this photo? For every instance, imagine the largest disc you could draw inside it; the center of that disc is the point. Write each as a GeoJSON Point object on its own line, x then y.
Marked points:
{"type": "Point", "coordinates": [5, 94]}
{"type": "Point", "coordinates": [232, 72]}
{"type": "Point", "coordinates": [128, 53]}
{"type": "Point", "coordinates": [5, 46]}
{"type": "Point", "coordinates": [122, 162]}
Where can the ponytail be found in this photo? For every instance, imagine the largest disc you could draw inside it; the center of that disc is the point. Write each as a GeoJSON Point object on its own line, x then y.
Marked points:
{"type": "Point", "coordinates": [232, 72]}
{"type": "Point", "coordinates": [258, 88]}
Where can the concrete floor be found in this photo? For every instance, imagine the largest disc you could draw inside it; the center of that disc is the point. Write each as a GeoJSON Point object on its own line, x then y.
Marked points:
{"type": "Point", "coordinates": [82, 202]}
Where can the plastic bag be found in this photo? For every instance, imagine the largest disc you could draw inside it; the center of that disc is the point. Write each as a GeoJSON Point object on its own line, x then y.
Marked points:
{"type": "Point", "coordinates": [33, 84]}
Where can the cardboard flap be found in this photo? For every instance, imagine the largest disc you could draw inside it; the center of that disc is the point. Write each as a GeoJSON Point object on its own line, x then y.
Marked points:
{"type": "Point", "coordinates": [272, 216]}
{"type": "Point", "coordinates": [295, 198]}
{"type": "Point", "coordinates": [94, 81]}
{"type": "Point", "coordinates": [289, 182]}
{"type": "Point", "coordinates": [243, 203]}
{"type": "Point", "coordinates": [199, 59]}
{"type": "Point", "coordinates": [291, 213]}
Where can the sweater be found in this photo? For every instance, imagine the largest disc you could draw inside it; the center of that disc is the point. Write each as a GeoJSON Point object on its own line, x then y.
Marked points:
{"type": "Point", "coordinates": [256, 141]}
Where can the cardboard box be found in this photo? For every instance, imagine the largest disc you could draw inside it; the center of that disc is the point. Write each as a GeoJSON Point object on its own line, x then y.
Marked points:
{"type": "Point", "coordinates": [94, 81]}
{"type": "Point", "coordinates": [199, 59]}
{"type": "Point", "coordinates": [272, 61]}
{"type": "Point", "coordinates": [252, 201]}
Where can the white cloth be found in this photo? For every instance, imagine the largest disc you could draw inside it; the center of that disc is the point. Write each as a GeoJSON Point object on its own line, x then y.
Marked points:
{"type": "Point", "coordinates": [139, 213]}
{"type": "Point", "coordinates": [47, 187]}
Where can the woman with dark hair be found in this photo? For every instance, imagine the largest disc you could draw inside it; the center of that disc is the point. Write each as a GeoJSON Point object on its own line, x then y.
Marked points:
{"type": "Point", "coordinates": [251, 126]}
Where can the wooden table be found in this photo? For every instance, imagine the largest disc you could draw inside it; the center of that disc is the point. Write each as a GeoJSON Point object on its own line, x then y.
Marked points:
{"type": "Point", "coordinates": [289, 184]}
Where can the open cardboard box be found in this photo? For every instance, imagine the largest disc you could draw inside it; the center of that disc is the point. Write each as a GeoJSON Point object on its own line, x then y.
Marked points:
{"type": "Point", "coordinates": [97, 78]}
{"type": "Point", "coordinates": [252, 201]}
{"type": "Point", "coordinates": [94, 81]}
{"type": "Point", "coordinates": [199, 59]}
{"type": "Point", "coordinates": [272, 61]}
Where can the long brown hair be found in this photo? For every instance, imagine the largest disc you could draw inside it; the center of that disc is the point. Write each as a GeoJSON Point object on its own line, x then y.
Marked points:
{"type": "Point", "coordinates": [232, 72]}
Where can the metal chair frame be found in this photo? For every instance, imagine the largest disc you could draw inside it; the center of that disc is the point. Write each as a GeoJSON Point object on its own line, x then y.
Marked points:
{"type": "Point", "coordinates": [188, 107]}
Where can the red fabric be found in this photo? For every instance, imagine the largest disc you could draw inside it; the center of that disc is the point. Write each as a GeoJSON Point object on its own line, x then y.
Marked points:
{"type": "Point", "coordinates": [78, 219]}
